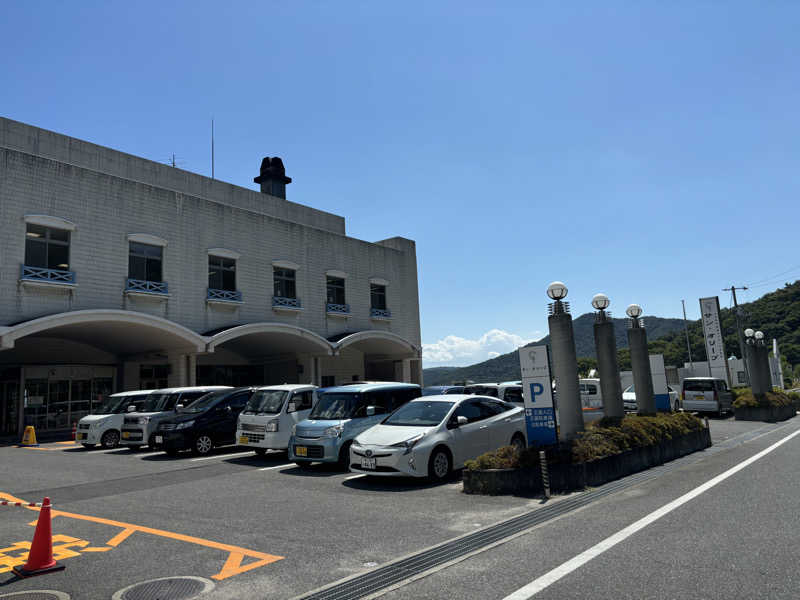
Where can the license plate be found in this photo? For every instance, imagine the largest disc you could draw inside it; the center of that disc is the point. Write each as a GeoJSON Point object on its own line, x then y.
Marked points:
{"type": "Point", "coordinates": [699, 397]}
{"type": "Point", "coordinates": [243, 439]}
{"type": "Point", "coordinates": [368, 463]}
{"type": "Point", "coordinates": [126, 435]}
{"type": "Point", "coordinates": [301, 451]}
{"type": "Point", "coordinates": [81, 436]}
{"type": "Point", "coordinates": [159, 439]}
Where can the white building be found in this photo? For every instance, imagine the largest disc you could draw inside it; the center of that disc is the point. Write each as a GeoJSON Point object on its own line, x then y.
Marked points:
{"type": "Point", "coordinates": [120, 273]}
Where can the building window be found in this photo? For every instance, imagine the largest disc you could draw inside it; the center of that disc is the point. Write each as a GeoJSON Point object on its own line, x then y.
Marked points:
{"type": "Point", "coordinates": [46, 248]}
{"type": "Point", "coordinates": [335, 290]}
{"type": "Point", "coordinates": [377, 295]}
{"type": "Point", "coordinates": [144, 262]}
{"type": "Point", "coordinates": [285, 284]}
{"type": "Point", "coordinates": [222, 273]}
{"type": "Point", "coordinates": [740, 375]}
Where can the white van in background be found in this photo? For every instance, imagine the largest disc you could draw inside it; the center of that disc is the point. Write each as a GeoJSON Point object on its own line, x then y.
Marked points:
{"type": "Point", "coordinates": [706, 394]}
{"type": "Point", "coordinates": [103, 426]}
{"type": "Point", "coordinates": [591, 398]}
{"type": "Point", "coordinates": [509, 391]}
{"type": "Point", "coordinates": [266, 422]}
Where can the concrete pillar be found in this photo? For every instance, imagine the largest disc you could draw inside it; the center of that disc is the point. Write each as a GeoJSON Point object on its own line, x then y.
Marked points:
{"type": "Point", "coordinates": [406, 370]}
{"type": "Point", "coordinates": [565, 369]}
{"type": "Point", "coordinates": [605, 343]}
{"type": "Point", "coordinates": [177, 371]}
{"type": "Point", "coordinates": [764, 374]}
{"type": "Point", "coordinates": [192, 368]}
{"type": "Point", "coordinates": [640, 364]}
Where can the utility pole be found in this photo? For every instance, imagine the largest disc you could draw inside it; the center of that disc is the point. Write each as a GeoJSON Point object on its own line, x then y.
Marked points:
{"type": "Point", "coordinates": [688, 345]}
{"type": "Point", "coordinates": [739, 331]}
{"type": "Point", "coordinates": [212, 148]}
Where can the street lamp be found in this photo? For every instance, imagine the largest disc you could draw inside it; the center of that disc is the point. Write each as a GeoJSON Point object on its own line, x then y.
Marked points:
{"type": "Point", "coordinates": [749, 333]}
{"type": "Point", "coordinates": [634, 311]}
{"type": "Point", "coordinates": [759, 337]}
{"type": "Point", "coordinates": [600, 301]}
{"type": "Point", "coordinates": [557, 291]}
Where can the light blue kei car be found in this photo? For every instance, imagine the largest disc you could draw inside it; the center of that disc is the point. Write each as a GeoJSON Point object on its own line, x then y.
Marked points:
{"type": "Point", "coordinates": [341, 413]}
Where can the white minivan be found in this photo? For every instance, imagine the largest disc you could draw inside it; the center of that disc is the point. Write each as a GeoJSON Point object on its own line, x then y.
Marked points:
{"type": "Point", "coordinates": [591, 399]}
{"type": "Point", "coordinates": [103, 426]}
{"type": "Point", "coordinates": [266, 422]}
{"type": "Point", "coordinates": [706, 394]}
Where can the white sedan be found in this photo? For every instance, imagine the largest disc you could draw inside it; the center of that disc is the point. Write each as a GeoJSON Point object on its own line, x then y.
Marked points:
{"type": "Point", "coordinates": [629, 398]}
{"type": "Point", "coordinates": [432, 436]}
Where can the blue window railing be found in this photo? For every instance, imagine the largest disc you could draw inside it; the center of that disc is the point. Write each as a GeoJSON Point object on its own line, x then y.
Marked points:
{"type": "Point", "coordinates": [341, 309]}
{"type": "Point", "coordinates": [147, 287]}
{"type": "Point", "coordinates": [224, 295]}
{"type": "Point", "coordinates": [380, 313]}
{"type": "Point", "coordinates": [280, 302]}
{"type": "Point", "coordinates": [29, 273]}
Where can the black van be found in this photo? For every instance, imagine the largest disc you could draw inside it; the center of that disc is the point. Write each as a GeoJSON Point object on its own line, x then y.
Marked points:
{"type": "Point", "coordinates": [204, 424]}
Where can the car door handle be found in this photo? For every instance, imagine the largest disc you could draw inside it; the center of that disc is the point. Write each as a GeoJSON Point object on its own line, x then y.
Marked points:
{"type": "Point", "coordinates": [484, 426]}
{"type": "Point", "coordinates": [508, 420]}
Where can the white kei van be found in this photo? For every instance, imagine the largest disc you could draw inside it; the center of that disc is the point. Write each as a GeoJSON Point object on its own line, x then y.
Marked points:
{"type": "Point", "coordinates": [509, 391]}
{"type": "Point", "coordinates": [104, 424]}
{"type": "Point", "coordinates": [266, 422]}
{"type": "Point", "coordinates": [706, 394]}
{"type": "Point", "coordinates": [591, 398]}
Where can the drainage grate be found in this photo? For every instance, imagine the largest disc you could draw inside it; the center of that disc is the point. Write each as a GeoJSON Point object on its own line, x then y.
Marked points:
{"type": "Point", "coordinates": [36, 595]}
{"type": "Point", "coordinates": [369, 583]}
{"type": "Point", "coordinates": [167, 588]}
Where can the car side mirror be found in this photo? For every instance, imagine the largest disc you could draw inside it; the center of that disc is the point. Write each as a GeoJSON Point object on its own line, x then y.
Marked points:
{"type": "Point", "coordinates": [131, 408]}
{"type": "Point", "coordinates": [291, 408]}
{"type": "Point", "coordinates": [371, 411]}
{"type": "Point", "coordinates": [178, 407]}
{"type": "Point", "coordinates": [461, 420]}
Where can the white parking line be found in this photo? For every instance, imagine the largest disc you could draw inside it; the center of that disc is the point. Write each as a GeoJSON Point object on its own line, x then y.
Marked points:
{"type": "Point", "coordinates": [355, 477]}
{"type": "Point", "coordinates": [224, 455]}
{"type": "Point", "coordinates": [275, 467]}
{"type": "Point", "coordinates": [548, 579]}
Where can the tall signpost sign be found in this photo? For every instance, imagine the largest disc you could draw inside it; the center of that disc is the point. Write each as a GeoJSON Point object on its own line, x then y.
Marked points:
{"type": "Point", "coordinates": [540, 414]}
{"type": "Point", "coordinates": [715, 347]}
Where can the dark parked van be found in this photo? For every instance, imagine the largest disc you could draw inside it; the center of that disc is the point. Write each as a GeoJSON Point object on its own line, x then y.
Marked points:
{"type": "Point", "coordinates": [204, 424]}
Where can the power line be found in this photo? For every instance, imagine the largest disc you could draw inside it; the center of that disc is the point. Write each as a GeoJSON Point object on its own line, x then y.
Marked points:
{"type": "Point", "coordinates": [771, 277]}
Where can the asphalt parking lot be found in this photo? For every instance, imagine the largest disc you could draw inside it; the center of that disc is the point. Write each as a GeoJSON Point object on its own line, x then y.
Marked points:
{"type": "Point", "coordinates": [252, 527]}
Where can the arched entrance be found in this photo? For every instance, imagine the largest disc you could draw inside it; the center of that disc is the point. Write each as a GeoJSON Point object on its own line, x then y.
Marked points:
{"type": "Point", "coordinates": [383, 356]}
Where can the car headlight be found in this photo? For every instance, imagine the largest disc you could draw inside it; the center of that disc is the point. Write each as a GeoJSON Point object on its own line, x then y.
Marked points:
{"type": "Point", "coordinates": [409, 443]}
{"type": "Point", "coordinates": [184, 425]}
{"type": "Point", "coordinates": [98, 424]}
{"type": "Point", "coordinates": [332, 432]}
{"type": "Point", "coordinates": [143, 420]}
{"type": "Point", "coordinates": [272, 425]}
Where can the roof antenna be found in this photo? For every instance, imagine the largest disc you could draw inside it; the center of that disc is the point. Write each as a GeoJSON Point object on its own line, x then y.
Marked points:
{"type": "Point", "coordinates": [212, 148]}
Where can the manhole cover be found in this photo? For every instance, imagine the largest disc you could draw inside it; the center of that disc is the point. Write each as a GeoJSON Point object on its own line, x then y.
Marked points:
{"type": "Point", "coordinates": [167, 588]}
{"type": "Point", "coordinates": [36, 595]}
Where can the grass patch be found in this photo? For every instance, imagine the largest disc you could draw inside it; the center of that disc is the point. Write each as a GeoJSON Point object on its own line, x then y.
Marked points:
{"type": "Point", "coordinates": [602, 438]}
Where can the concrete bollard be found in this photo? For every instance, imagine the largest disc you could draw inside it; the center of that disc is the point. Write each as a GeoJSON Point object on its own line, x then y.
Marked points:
{"type": "Point", "coordinates": [640, 364]}
{"type": "Point", "coordinates": [605, 343]}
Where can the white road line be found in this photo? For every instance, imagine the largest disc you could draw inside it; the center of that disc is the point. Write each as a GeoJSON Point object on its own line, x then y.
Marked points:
{"type": "Point", "coordinates": [275, 467]}
{"type": "Point", "coordinates": [355, 477]}
{"type": "Point", "coordinates": [548, 579]}
{"type": "Point", "coordinates": [224, 455]}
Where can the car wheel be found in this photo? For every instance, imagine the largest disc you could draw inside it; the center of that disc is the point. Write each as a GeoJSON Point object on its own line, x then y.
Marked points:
{"type": "Point", "coordinates": [88, 446]}
{"type": "Point", "coordinates": [262, 452]}
{"type": "Point", "coordinates": [439, 465]}
{"type": "Point", "coordinates": [110, 439]}
{"type": "Point", "coordinates": [202, 445]}
{"type": "Point", "coordinates": [518, 442]}
{"type": "Point", "coordinates": [344, 457]}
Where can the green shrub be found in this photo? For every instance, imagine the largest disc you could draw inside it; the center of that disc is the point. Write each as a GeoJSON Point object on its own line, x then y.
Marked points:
{"type": "Point", "coordinates": [602, 438]}
{"type": "Point", "coordinates": [774, 398]}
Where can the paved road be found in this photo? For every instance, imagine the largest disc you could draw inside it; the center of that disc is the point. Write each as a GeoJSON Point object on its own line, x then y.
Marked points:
{"type": "Point", "coordinates": [265, 529]}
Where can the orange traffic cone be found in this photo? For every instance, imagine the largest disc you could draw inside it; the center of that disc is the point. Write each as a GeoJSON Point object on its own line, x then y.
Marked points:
{"type": "Point", "coordinates": [40, 558]}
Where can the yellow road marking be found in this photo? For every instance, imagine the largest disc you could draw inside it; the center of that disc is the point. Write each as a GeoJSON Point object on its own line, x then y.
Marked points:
{"type": "Point", "coordinates": [233, 564]}
{"type": "Point", "coordinates": [37, 448]}
{"type": "Point", "coordinates": [72, 443]}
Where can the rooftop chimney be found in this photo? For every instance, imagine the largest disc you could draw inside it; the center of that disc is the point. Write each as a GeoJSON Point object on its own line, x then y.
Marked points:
{"type": "Point", "coordinates": [273, 177]}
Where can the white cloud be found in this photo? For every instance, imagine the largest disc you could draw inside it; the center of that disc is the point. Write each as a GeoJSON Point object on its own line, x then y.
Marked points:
{"type": "Point", "coordinates": [454, 351]}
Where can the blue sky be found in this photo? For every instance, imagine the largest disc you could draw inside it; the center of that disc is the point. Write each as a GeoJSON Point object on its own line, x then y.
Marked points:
{"type": "Point", "coordinates": [646, 150]}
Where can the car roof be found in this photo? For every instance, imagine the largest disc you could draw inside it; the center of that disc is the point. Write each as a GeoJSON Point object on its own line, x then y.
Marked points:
{"type": "Point", "coordinates": [704, 378]}
{"type": "Point", "coordinates": [287, 387]}
{"type": "Point", "coordinates": [368, 387]}
{"type": "Point", "coordinates": [454, 398]}
{"type": "Point", "coordinates": [196, 388]}
{"type": "Point", "coordinates": [130, 393]}
{"type": "Point", "coordinates": [477, 384]}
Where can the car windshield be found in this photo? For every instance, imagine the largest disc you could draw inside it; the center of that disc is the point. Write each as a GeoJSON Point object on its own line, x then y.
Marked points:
{"type": "Point", "coordinates": [336, 406]}
{"type": "Point", "coordinates": [419, 414]}
{"type": "Point", "coordinates": [433, 391]}
{"type": "Point", "coordinates": [266, 401]}
{"type": "Point", "coordinates": [630, 389]}
{"type": "Point", "coordinates": [698, 386]}
{"type": "Point", "coordinates": [113, 406]}
{"type": "Point", "coordinates": [153, 401]}
{"type": "Point", "coordinates": [204, 402]}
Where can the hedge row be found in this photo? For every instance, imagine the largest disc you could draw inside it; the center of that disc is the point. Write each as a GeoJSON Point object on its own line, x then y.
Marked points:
{"type": "Point", "coordinates": [745, 398]}
{"type": "Point", "coordinates": [602, 438]}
